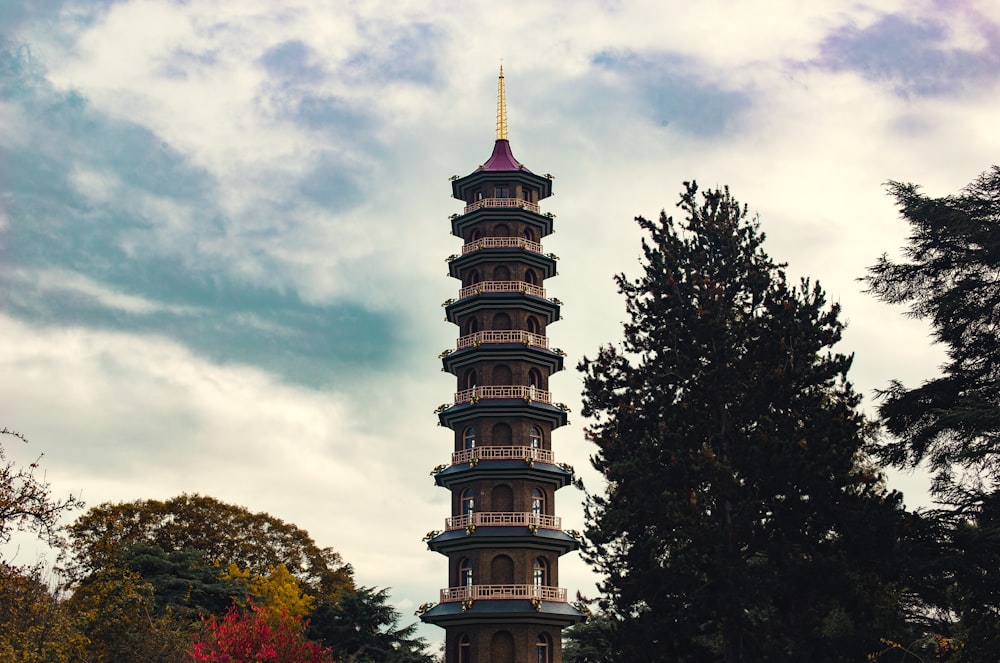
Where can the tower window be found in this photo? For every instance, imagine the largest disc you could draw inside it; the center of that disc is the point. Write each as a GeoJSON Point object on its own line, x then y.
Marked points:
{"type": "Point", "coordinates": [543, 649]}
{"type": "Point", "coordinates": [465, 650]}
{"type": "Point", "coordinates": [465, 572]}
{"type": "Point", "coordinates": [535, 378]}
{"type": "Point", "coordinates": [528, 234]}
{"type": "Point", "coordinates": [530, 277]}
{"type": "Point", "coordinates": [533, 326]}
{"type": "Point", "coordinates": [501, 192]}
{"type": "Point", "coordinates": [539, 572]}
{"type": "Point", "coordinates": [468, 500]}
{"type": "Point", "coordinates": [469, 438]}
{"type": "Point", "coordinates": [535, 437]}
{"type": "Point", "coordinates": [537, 502]}
{"type": "Point", "coordinates": [471, 379]}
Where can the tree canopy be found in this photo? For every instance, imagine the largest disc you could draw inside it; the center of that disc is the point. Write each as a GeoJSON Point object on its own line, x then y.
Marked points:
{"type": "Point", "coordinates": [741, 520]}
{"type": "Point", "coordinates": [223, 533]}
{"type": "Point", "coordinates": [949, 275]}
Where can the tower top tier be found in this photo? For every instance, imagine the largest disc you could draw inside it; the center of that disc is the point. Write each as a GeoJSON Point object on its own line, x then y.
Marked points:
{"type": "Point", "coordinates": [501, 167]}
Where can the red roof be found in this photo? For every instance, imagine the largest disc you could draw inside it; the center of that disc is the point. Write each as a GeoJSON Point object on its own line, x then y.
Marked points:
{"type": "Point", "coordinates": [502, 158]}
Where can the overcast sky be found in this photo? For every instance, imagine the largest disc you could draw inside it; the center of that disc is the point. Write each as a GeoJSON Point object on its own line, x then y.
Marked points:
{"type": "Point", "coordinates": [223, 225]}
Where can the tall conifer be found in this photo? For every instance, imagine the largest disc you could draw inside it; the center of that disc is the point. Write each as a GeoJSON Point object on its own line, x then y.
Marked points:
{"type": "Point", "coordinates": [740, 520]}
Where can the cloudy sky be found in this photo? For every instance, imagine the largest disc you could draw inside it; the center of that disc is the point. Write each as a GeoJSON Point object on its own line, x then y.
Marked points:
{"type": "Point", "coordinates": [223, 225]}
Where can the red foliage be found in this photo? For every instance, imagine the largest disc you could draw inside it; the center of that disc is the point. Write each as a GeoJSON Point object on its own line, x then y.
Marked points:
{"type": "Point", "coordinates": [255, 637]}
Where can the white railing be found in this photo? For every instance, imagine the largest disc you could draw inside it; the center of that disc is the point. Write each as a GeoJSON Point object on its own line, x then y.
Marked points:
{"type": "Point", "coordinates": [502, 202]}
{"type": "Point", "coordinates": [476, 592]}
{"type": "Point", "coordinates": [503, 392]}
{"type": "Point", "coordinates": [502, 286]}
{"type": "Point", "coordinates": [514, 336]}
{"type": "Point", "coordinates": [503, 453]}
{"type": "Point", "coordinates": [503, 519]}
{"type": "Point", "coordinates": [502, 243]}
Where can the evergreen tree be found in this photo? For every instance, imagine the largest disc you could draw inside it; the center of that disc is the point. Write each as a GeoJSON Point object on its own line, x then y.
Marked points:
{"type": "Point", "coordinates": [740, 521]}
{"type": "Point", "coordinates": [950, 276]}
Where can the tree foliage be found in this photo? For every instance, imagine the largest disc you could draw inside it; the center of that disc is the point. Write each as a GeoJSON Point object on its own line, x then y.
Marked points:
{"type": "Point", "coordinates": [951, 277]}
{"type": "Point", "coordinates": [223, 533]}
{"type": "Point", "coordinates": [591, 641]}
{"type": "Point", "coordinates": [35, 627]}
{"type": "Point", "coordinates": [740, 521]}
{"type": "Point", "coordinates": [26, 502]}
{"type": "Point", "coordinates": [244, 636]}
{"type": "Point", "coordinates": [115, 611]}
{"type": "Point", "coordinates": [363, 627]}
{"type": "Point", "coordinates": [278, 591]}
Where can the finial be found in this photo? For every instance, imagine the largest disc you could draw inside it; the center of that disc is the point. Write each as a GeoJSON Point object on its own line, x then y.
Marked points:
{"type": "Point", "coordinates": [501, 109]}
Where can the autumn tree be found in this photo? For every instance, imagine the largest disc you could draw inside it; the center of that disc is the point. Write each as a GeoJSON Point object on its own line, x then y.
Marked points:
{"type": "Point", "coordinates": [278, 591]}
{"type": "Point", "coordinates": [26, 502]}
{"type": "Point", "coordinates": [116, 613]}
{"type": "Point", "coordinates": [949, 275]}
{"type": "Point", "coordinates": [252, 636]}
{"type": "Point", "coordinates": [223, 533]}
{"type": "Point", "coordinates": [740, 520]}
{"type": "Point", "coordinates": [34, 623]}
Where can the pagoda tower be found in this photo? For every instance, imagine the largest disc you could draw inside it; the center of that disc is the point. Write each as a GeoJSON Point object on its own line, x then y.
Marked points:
{"type": "Point", "coordinates": [503, 540]}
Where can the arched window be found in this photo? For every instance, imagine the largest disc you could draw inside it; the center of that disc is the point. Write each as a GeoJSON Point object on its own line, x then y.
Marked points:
{"type": "Point", "coordinates": [533, 326]}
{"type": "Point", "coordinates": [535, 378]}
{"type": "Point", "coordinates": [543, 649]}
{"type": "Point", "coordinates": [530, 277]}
{"type": "Point", "coordinates": [469, 438]}
{"type": "Point", "coordinates": [471, 326]}
{"type": "Point", "coordinates": [501, 321]}
{"type": "Point", "coordinates": [537, 502]}
{"type": "Point", "coordinates": [501, 230]}
{"type": "Point", "coordinates": [465, 650]}
{"type": "Point", "coordinates": [471, 379]}
{"type": "Point", "coordinates": [476, 234]}
{"type": "Point", "coordinates": [539, 572]}
{"type": "Point", "coordinates": [468, 500]}
{"type": "Point", "coordinates": [501, 273]}
{"type": "Point", "coordinates": [472, 278]}
{"type": "Point", "coordinates": [535, 437]}
{"type": "Point", "coordinates": [465, 572]}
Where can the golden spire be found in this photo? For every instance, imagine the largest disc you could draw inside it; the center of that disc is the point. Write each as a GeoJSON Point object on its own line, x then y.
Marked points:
{"type": "Point", "coordinates": [501, 109]}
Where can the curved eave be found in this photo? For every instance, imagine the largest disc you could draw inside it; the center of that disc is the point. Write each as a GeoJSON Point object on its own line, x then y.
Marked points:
{"type": "Point", "coordinates": [459, 359]}
{"type": "Point", "coordinates": [543, 263]}
{"type": "Point", "coordinates": [505, 611]}
{"type": "Point", "coordinates": [506, 301]}
{"type": "Point", "coordinates": [549, 540]}
{"type": "Point", "coordinates": [542, 223]}
{"type": "Point", "coordinates": [462, 187]}
{"type": "Point", "coordinates": [457, 415]}
{"type": "Point", "coordinates": [545, 473]}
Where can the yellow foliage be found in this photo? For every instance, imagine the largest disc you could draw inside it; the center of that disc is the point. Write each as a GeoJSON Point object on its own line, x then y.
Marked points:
{"type": "Point", "coordinates": [279, 591]}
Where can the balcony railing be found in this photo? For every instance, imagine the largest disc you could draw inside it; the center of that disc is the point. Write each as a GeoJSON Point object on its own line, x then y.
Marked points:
{"type": "Point", "coordinates": [509, 336]}
{"type": "Point", "coordinates": [502, 243]}
{"type": "Point", "coordinates": [503, 519]}
{"type": "Point", "coordinates": [477, 592]}
{"type": "Point", "coordinates": [502, 202]}
{"type": "Point", "coordinates": [502, 286]}
{"type": "Point", "coordinates": [503, 392]}
{"type": "Point", "coordinates": [503, 453]}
